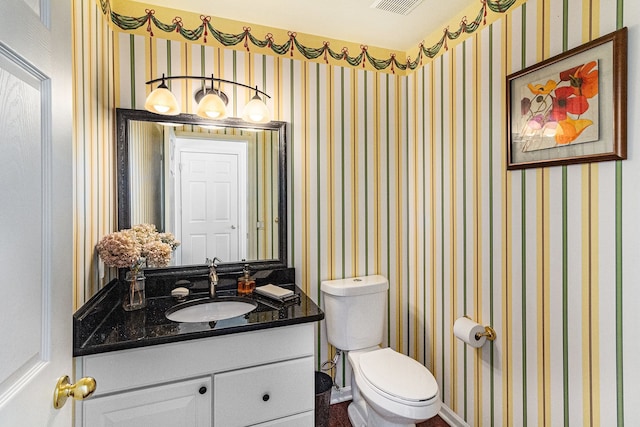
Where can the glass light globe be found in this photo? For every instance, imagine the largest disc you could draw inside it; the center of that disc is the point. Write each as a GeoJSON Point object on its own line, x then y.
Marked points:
{"type": "Point", "coordinates": [211, 106]}
{"type": "Point", "coordinates": [162, 101]}
{"type": "Point", "coordinates": [256, 111]}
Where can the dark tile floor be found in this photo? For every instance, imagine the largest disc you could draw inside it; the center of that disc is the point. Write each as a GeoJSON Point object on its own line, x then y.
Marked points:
{"type": "Point", "coordinates": [338, 417]}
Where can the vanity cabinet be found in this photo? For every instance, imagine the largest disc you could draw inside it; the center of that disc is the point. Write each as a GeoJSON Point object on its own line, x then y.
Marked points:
{"type": "Point", "coordinates": [257, 378]}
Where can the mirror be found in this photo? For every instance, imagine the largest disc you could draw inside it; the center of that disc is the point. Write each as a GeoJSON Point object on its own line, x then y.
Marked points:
{"type": "Point", "coordinates": [219, 186]}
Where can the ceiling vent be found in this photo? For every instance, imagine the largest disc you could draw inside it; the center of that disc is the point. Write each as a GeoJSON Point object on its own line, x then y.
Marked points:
{"type": "Point", "coordinates": [401, 7]}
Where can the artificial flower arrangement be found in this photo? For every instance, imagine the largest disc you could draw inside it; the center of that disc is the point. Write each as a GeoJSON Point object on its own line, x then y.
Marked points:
{"type": "Point", "coordinates": [137, 247]}
{"type": "Point", "coordinates": [134, 248]}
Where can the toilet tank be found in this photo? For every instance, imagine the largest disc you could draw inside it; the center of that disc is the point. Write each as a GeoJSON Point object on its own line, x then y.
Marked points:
{"type": "Point", "coordinates": [355, 311]}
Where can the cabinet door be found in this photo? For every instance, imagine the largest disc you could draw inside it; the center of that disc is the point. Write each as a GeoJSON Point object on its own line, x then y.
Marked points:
{"type": "Point", "coordinates": [300, 420]}
{"type": "Point", "coordinates": [186, 404]}
{"type": "Point", "coordinates": [263, 393]}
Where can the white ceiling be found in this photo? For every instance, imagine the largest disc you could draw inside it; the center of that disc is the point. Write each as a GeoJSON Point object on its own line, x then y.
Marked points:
{"type": "Point", "coordinates": [348, 20]}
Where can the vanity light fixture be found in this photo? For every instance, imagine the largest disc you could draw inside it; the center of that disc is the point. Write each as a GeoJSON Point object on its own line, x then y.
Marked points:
{"type": "Point", "coordinates": [211, 102]}
{"type": "Point", "coordinates": [162, 101]}
{"type": "Point", "coordinates": [256, 111]}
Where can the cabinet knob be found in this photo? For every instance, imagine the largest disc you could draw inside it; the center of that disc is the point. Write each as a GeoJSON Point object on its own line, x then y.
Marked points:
{"type": "Point", "coordinates": [202, 390]}
{"type": "Point", "coordinates": [265, 397]}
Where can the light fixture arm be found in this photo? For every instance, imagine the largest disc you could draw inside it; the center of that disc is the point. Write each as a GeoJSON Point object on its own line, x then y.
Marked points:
{"type": "Point", "coordinates": [203, 78]}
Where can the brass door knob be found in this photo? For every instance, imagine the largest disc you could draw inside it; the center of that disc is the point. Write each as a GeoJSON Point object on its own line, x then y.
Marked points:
{"type": "Point", "coordinates": [82, 389]}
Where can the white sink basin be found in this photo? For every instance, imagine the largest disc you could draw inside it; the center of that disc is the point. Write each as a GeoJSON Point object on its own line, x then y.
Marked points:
{"type": "Point", "coordinates": [210, 310]}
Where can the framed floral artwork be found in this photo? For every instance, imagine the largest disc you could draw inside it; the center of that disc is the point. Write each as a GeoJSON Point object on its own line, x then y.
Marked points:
{"type": "Point", "coordinates": [571, 108]}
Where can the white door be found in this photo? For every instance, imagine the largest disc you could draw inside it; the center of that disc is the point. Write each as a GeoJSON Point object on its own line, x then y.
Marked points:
{"type": "Point", "coordinates": [210, 206]}
{"type": "Point", "coordinates": [36, 213]}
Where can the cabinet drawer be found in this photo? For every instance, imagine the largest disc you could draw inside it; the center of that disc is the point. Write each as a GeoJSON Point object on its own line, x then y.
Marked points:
{"type": "Point", "coordinates": [183, 404]}
{"type": "Point", "coordinates": [263, 393]}
{"type": "Point", "coordinates": [305, 419]}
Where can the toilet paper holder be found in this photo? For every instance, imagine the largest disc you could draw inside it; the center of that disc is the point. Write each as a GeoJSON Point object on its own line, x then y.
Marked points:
{"type": "Point", "coordinates": [489, 332]}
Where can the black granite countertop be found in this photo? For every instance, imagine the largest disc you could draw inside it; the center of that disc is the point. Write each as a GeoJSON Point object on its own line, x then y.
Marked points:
{"type": "Point", "coordinates": [101, 325]}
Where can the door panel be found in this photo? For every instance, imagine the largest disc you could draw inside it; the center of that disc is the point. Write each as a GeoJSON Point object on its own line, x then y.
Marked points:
{"type": "Point", "coordinates": [21, 163]}
{"type": "Point", "coordinates": [210, 206]}
{"type": "Point", "coordinates": [35, 219]}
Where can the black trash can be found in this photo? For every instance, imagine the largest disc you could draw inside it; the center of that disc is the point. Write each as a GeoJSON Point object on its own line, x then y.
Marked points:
{"type": "Point", "coordinates": [323, 398]}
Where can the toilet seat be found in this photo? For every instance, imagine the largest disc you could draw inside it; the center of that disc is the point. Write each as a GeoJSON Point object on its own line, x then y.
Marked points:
{"type": "Point", "coordinates": [397, 377]}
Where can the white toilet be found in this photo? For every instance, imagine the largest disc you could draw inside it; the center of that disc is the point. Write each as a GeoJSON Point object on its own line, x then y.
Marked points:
{"type": "Point", "coordinates": [388, 388]}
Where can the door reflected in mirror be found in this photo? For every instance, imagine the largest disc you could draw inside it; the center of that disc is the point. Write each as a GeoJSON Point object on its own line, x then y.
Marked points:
{"type": "Point", "coordinates": [221, 190]}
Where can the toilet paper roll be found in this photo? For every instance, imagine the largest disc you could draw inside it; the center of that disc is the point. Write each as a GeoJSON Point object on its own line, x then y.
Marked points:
{"type": "Point", "coordinates": [466, 330]}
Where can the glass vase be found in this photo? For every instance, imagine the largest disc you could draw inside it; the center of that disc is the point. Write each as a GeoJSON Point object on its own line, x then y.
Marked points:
{"type": "Point", "coordinates": [134, 297]}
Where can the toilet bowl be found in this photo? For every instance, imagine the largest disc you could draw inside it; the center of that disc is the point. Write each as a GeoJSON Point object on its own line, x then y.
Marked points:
{"type": "Point", "coordinates": [389, 389]}
{"type": "Point", "coordinates": [396, 389]}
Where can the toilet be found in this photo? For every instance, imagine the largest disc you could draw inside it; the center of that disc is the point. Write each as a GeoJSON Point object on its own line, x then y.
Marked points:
{"type": "Point", "coordinates": [388, 388]}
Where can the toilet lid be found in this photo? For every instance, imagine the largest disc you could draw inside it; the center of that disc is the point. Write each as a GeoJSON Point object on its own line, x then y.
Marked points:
{"type": "Point", "coordinates": [398, 375]}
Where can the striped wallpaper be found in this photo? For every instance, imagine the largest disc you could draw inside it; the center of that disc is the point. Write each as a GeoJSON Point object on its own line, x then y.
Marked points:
{"type": "Point", "coordinates": [95, 212]}
{"type": "Point", "coordinates": [405, 176]}
{"type": "Point", "coordinates": [145, 172]}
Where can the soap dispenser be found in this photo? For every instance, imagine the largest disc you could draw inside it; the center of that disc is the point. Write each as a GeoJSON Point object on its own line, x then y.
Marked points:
{"type": "Point", "coordinates": [246, 284]}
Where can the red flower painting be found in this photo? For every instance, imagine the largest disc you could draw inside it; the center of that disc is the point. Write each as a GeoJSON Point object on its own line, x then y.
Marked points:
{"type": "Point", "coordinates": [560, 109]}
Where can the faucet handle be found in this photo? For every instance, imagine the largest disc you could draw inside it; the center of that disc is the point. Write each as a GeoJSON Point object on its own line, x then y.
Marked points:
{"type": "Point", "coordinates": [211, 262]}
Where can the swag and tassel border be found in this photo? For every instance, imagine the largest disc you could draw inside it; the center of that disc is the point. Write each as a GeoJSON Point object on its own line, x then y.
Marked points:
{"type": "Point", "coordinates": [206, 30]}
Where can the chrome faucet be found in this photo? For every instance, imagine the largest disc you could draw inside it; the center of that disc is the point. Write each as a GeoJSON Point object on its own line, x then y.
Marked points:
{"type": "Point", "coordinates": [213, 275]}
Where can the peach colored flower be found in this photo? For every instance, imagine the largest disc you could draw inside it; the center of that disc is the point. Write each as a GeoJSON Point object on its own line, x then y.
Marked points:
{"type": "Point", "coordinates": [169, 239]}
{"type": "Point", "coordinates": [538, 89]}
{"type": "Point", "coordinates": [136, 247]}
{"type": "Point", "coordinates": [569, 130]}
{"type": "Point", "coordinates": [118, 249]}
{"type": "Point", "coordinates": [158, 254]}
